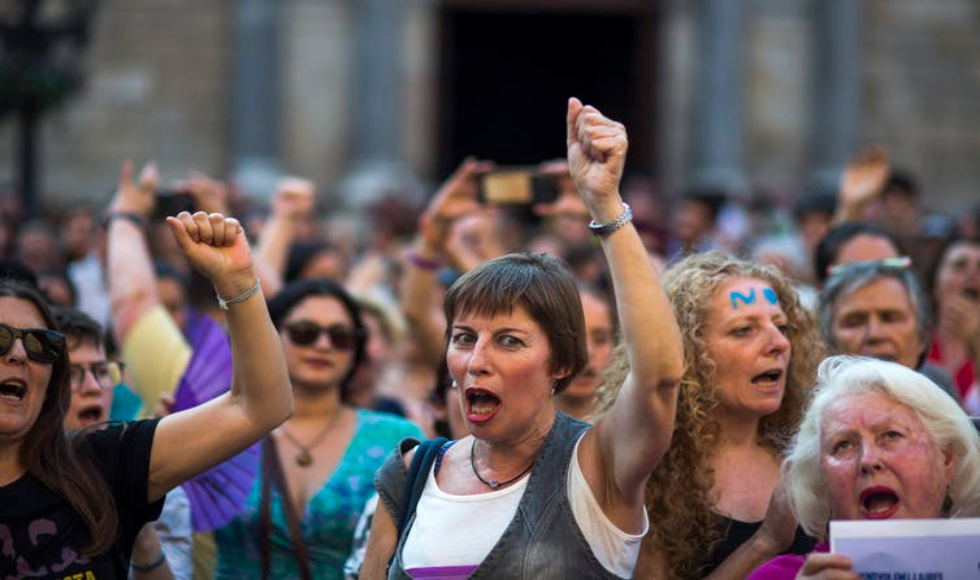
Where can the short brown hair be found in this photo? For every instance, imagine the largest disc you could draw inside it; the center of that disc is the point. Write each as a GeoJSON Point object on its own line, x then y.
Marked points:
{"type": "Point", "coordinates": [544, 287]}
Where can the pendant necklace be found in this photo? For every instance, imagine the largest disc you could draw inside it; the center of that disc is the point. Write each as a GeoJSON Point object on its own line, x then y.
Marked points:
{"type": "Point", "coordinates": [304, 458]}
{"type": "Point", "coordinates": [493, 484]}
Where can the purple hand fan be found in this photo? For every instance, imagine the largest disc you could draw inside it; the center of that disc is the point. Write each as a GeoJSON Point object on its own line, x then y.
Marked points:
{"type": "Point", "coordinates": [219, 493]}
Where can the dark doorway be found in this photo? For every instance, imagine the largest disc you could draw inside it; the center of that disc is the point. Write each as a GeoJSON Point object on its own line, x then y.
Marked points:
{"type": "Point", "coordinates": [506, 77]}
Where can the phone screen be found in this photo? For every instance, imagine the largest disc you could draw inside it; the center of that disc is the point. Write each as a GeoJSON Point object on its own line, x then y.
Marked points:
{"type": "Point", "coordinates": [170, 202]}
{"type": "Point", "coordinates": [518, 186]}
{"type": "Point", "coordinates": [507, 188]}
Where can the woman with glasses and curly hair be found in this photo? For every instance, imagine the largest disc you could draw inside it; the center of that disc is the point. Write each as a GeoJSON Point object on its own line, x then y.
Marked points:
{"type": "Point", "coordinates": [71, 505]}
{"type": "Point", "coordinates": [750, 353]}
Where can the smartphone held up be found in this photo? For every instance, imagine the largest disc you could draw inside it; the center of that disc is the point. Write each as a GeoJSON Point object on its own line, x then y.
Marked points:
{"type": "Point", "coordinates": [517, 186]}
{"type": "Point", "coordinates": [171, 202]}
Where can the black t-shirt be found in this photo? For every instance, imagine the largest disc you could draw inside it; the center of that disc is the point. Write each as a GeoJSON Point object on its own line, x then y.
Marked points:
{"type": "Point", "coordinates": [42, 537]}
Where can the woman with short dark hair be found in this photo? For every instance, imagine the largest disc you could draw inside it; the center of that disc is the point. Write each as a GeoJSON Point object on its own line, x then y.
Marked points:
{"type": "Point", "coordinates": [534, 493]}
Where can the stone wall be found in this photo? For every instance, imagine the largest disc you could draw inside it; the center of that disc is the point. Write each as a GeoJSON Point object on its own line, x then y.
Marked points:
{"type": "Point", "coordinates": [160, 87]}
{"type": "Point", "coordinates": [921, 70]}
{"type": "Point", "coordinates": [157, 88]}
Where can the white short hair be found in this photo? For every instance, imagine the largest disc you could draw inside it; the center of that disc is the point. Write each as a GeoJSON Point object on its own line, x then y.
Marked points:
{"type": "Point", "coordinates": [947, 423]}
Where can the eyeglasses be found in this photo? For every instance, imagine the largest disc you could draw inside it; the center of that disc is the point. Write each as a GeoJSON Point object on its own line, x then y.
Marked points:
{"type": "Point", "coordinates": [306, 333]}
{"type": "Point", "coordinates": [107, 374]}
{"type": "Point", "coordinates": [897, 262]}
{"type": "Point", "coordinates": [42, 345]}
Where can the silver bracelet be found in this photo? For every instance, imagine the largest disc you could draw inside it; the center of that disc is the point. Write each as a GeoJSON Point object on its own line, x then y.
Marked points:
{"type": "Point", "coordinates": [604, 229]}
{"type": "Point", "coordinates": [224, 304]}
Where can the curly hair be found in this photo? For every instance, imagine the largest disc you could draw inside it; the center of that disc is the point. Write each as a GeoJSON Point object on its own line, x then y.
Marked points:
{"type": "Point", "coordinates": [680, 493]}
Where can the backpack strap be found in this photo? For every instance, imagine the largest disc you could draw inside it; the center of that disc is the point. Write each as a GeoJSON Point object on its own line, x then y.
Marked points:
{"type": "Point", "coordinates": [425, 455]}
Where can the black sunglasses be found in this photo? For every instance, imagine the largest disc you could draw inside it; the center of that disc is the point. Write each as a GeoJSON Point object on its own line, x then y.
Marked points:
{"type": "Point", "coordinates": [42, 345]}
{"type": "Point", "coordinates": [306, 333]}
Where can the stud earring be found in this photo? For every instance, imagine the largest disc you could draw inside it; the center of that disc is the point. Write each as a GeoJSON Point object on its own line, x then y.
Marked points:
{"type": "Point", "coordinates": [455, 385]}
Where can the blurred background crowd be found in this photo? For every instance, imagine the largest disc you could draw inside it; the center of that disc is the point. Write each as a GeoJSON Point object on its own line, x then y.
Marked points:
{"type": "Point", "coordinates": [756, 126]}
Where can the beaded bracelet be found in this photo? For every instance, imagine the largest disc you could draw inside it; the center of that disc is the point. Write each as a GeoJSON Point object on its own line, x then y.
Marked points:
{"type": "Point", "coordinates": [604, 229]}
{"type": "Point", "coordinates": [151, 566]}
{"type": "Point", "coordinates": [224, 304]}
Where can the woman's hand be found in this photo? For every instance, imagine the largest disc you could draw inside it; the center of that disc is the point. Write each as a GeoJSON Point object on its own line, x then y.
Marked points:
{"type": "Point", "coordinates": [210, 195]}
{"type": "Point", "coordinates": [568, 203]}
{"type": "Point", "coordinates": [136, 197]}
{"type": "Point", "coordinates": [862, 182]}
{"type": "Point", "coordinates": [779, 527]}
{"type": "Point", "coordinates": [294, 199]}
{"type": "Point", "coordinates": [216, 246]}
{"type": "Point", "coordinates": [959, 317]}
{"type": "Point", "coordinates": [457, 197]}
{"type": "Point", "coordinates": [596, 157]}
{"type": "Point", "coordinates": [827, 567]}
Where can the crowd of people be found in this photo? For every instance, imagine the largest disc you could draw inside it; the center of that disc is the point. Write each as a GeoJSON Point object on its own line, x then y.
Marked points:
{"type": "Point", "coordinates": [600, 385]}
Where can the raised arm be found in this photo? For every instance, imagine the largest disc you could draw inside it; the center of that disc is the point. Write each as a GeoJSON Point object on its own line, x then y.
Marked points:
{"type": "Point", "coordinates": [456, 198]}
{"type": "Point", "coordinates": [861, 184]}
{"type": "Point", "coordinates": [133, 291]}
{"type": "Point", "coordinates": [619, 454]}
{"type": "Point", "coordinates": [260, 399]}
{"type": "Point", "coordinates": [293, 201]}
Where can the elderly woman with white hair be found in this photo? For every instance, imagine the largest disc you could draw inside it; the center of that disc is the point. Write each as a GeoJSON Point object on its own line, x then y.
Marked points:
{"type": "Point", "coordinates": [878, 441]}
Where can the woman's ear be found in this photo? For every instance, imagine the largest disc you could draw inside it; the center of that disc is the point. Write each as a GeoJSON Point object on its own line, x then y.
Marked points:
{"type": "Point", "coordinates": [949, 463]}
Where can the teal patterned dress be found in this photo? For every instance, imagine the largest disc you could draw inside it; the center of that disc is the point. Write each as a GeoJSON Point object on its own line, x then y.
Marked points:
{"type": "Point", "coordinates": [329, 520]}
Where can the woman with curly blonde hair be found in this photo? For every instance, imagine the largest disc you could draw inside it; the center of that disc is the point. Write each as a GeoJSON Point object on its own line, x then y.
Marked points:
{"type": "Point", "coordinates": [750, 354]}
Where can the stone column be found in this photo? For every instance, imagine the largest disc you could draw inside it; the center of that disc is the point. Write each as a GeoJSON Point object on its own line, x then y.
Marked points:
{"type": "Point", "coordinates": [836, 108]}
{"type": "Point", "coordinates": [256, 96]}
{"type": "Point", "coordinates": [718, 115]}
{"type": "Point", "coordinates": [377, 166]}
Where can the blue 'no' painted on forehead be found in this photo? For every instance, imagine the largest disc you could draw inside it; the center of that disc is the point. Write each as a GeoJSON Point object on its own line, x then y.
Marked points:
{"type": "Point", "coordinates": [749, 298]}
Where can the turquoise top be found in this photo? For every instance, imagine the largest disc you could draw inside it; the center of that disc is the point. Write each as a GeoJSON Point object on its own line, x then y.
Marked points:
{"type": "Point", "coordinates": [125, 404]}
{"type": "Point", "coordinates": [328, 522]}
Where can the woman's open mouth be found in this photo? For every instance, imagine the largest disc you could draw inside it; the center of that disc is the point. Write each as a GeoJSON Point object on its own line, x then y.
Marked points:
{"type": "Point", "coordinates": [971, 293]}
{"type": "Point", "coordinates": [481, 405]}
{"type": "Point", "coordinates": [91, 414]}
{"type": "Point", "coordinates": [879, 502]}
{"type": "Point", "coordinates": [768, 379]}
{"type": "Point", "coordinates": [13, 390]}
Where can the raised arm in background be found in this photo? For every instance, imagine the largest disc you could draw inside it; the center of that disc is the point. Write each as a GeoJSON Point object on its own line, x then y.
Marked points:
{"type": "Point", "coordinates": [456, 198]}
{"type": "Point", "coordinates": [292, 202]}
{"type": "Point", "coordinates": [861, 184]}
{"type": "Point", "coordinates": [133, 289]}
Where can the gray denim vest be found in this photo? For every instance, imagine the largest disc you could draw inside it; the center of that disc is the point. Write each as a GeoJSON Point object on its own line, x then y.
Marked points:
{"type": "Point", "coordinates": [542, 541]}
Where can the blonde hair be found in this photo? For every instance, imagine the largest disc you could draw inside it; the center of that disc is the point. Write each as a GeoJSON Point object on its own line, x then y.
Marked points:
{"type": "Point", "coordinates": [679, 496]}
{"type": "Point", "coordinates": [947, 423]}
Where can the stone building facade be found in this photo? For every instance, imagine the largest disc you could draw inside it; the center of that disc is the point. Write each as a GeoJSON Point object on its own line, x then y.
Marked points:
{"type": "Point", "coordinates": [366, 95]}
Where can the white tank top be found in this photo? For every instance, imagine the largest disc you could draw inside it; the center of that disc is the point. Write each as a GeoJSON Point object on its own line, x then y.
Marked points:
{"type": "Point", "coordinates": [452, 534]}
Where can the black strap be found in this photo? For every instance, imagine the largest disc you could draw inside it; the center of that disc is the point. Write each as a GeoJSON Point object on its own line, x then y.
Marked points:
{"type": "Point", "coordinates": [425, 455]}
{"type": "Point", "coordinates": [272, 474]}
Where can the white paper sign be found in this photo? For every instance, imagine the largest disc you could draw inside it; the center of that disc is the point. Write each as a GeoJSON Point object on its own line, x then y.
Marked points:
{"type": "Point", "coordinates": [910, 549]}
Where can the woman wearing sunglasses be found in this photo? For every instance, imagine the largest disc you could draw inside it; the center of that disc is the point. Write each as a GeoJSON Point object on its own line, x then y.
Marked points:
{"type": "Point", "coordinates": [317, 468]}
{"type": "Point", "coordinates": [71, 505]}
